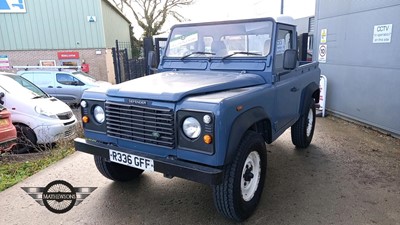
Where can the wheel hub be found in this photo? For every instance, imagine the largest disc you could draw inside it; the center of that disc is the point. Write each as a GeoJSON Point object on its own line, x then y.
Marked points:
{"type": "Point", "coordinates": [250, 176]}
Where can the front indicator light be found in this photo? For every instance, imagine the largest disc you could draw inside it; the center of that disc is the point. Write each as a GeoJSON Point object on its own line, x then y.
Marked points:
{"type": "Point", "coordinates": [85, 119]}
{"type": "Point", "coordinates": [207, 139]}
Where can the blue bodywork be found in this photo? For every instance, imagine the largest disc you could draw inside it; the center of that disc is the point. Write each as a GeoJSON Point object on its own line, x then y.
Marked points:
{"type": "Point", "coordinates": [240, 92]}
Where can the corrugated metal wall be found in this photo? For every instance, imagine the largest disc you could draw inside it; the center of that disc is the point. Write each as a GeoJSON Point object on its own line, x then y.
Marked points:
{"type": "Point", "coordinates": [363, 77]}
{"type": "Point", "coordinates": [53, 24]}
{"type": "Point", "coordinates": [115, 26]}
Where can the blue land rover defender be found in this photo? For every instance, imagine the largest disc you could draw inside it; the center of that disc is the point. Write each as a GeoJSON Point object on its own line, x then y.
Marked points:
{"type": "Point", "coordinates": [222, 90]}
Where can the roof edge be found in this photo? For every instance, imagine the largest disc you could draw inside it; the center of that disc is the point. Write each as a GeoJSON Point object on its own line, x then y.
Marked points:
{"type": "Point", "coordinates": [117, 11]}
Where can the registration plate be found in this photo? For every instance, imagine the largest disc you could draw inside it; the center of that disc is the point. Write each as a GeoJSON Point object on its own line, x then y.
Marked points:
{"type": "Point", "coordinates": [131, 160]}
{"type": "Point", "coordinates": [3, 122]}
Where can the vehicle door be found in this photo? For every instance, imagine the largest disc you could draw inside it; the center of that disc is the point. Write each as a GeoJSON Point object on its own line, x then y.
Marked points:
{"type": "Point", "coordinates": [288, 92]}
{"type": "Point", "coordinates": [69, 88]}
{"type": "Point", "coordinates": [44, 80]}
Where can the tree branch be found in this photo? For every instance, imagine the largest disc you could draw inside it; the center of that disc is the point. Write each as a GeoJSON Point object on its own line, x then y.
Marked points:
{"type": "Point", "coordinates": [151, 15]}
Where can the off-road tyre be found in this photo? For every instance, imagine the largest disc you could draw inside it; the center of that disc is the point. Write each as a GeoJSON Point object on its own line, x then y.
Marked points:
{"type": "Point", "coordinates": [115, 171]}
{"type": "Point", "coordinates": [303, 130]}
{"type": "Point", "coordinates": [230, 196]}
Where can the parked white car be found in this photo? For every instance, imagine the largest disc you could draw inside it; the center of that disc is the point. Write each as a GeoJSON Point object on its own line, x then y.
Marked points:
{"type": "Point", "coordinates": [39, 118]}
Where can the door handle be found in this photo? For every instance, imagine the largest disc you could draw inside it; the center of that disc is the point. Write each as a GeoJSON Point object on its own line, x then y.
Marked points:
{"type": "Point", "coordinates": [294, 89]}
{"type": "Point", "coordinates": [50, 86]}
{"type": "Point", "coordinates": [59, 87]}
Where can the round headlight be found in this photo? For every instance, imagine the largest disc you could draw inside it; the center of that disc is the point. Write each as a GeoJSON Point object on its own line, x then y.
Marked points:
{"type": "Point", "coordinates": [191, 127]}
{"type": "Point", "coordinates": [99, 114]}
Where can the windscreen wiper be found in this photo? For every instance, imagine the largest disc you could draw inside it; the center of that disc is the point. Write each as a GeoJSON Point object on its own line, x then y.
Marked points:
{"type": "Point", "coordinates": [236, 53]}
{"type": "Point", "coordinates": [199, 53]}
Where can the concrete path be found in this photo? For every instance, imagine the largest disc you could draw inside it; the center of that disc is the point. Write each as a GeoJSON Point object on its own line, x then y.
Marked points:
{"type": "Point", "coordinates": [349, 175]}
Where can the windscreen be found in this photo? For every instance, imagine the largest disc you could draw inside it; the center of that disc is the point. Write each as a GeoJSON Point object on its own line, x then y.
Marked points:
{"type": "Point", "coordinates": [238, 39]}
{"type": "Point", "coordinates": [84, 77]}
{"type": "Point", "coordinates": [20, 86]}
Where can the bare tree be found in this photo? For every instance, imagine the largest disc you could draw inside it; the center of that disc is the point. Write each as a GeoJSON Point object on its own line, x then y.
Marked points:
{"type": "Point", "coordinates": [151, 15]}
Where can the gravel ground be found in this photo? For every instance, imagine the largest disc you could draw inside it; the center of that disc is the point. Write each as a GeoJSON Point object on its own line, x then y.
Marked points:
{"type": "Point", "coordinates": [349, 175]}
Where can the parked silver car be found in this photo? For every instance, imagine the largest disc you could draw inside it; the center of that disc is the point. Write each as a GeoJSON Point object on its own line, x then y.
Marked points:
{"type": "Point", "coordinates": [66, 85]}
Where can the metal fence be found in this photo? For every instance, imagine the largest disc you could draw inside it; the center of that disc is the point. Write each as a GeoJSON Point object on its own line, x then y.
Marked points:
{"type": "Point", "coordinates": [125, 66]}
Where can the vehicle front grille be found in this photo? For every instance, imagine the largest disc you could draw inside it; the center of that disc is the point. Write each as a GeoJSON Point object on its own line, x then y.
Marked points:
{"type": "Point", "coordinates": [143, 124]}
{"type": "Point", "coordinates": [64, 116]}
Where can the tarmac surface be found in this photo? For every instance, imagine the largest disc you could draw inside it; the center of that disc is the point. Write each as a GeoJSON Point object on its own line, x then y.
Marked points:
{"type": "Point", "coordinates": [349, 175]}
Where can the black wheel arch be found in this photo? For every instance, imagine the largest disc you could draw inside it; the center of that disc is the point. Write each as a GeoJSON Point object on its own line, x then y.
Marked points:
{"type": "Point", "coordinates": [309, 92]}
{"type": "Point", "coordinates": [20, 124]}
{"type": "Point", "coordinates": [24, 125]}
{"type": "Point", "coordinates": [255, 119]}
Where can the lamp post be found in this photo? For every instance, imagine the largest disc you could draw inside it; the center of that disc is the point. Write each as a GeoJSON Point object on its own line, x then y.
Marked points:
{"type": "Point", "coordinates": [282, 7]}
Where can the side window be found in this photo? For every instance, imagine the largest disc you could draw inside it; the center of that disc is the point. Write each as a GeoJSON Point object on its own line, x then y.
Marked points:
{"type": "Point", "coordinates": [42, 79]}
{"type": "Point", "coordinates": [66, 79]}
{"type": "Point", "coordinates": [28, 76]}
{"type": "Point", "coordinates": [283, 42]}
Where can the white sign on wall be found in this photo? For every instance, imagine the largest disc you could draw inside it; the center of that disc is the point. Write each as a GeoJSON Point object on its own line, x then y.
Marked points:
{"type": "Point", "coordinates": [4, 63]}
{"type": "Point", "coordinates": [382, 33]}
{"type": "Point", "coordinates": [280, 46]}
{"type": "Point", "coordinates": [322, 51]}
{"type": "Point", "coordinates": [12, 6]}
{"type": "Point", "coordinates": [91, 18]}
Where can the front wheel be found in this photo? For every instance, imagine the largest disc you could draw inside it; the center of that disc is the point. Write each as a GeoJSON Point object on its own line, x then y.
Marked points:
{"type": "Point", "coordinates": [303, 130]}
{"type": "Point", "coordinates": [239, 194]}
{"type": "Point", "coordinates": [26, 139]}
{"type": "Point", "coordinates": [115, 171]}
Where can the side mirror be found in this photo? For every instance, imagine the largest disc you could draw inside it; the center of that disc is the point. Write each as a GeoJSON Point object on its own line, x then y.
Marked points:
{"type": "Point", "coordinates": [1, 98]}
{"type": "Point", "coordinates": [152, 61]}
{"type": "Point", "coordinates": [75, 83]}
{"type": "Point", "coordinates": [290, 59]}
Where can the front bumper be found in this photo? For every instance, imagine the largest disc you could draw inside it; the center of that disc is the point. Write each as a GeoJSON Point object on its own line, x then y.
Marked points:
{"type": "Point", "coordinates": [53, 133]}
{"type": "Point", "coordinates": [167, 166]}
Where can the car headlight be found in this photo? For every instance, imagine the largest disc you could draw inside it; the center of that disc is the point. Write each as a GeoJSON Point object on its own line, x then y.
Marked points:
{"type": "Point", "coordinates": [99, 114]}
{"type": "Point", "coordinates": [191, 127]}
{"type": "Point", "coordinates": [45, 112]}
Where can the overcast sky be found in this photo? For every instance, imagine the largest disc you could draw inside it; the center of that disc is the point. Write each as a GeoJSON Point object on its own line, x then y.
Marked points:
{"type": "Point", "coordinates": [206, 10]}
{"type": "Point", "coordinates": [211, 10]}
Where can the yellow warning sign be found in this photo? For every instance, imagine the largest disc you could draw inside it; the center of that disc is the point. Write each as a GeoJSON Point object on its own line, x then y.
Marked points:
{"type": "Point", "coordinates": [324, 34]}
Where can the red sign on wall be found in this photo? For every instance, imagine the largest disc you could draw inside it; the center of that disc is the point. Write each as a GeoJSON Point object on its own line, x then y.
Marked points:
{"type": "Point", "coordinates": [68, 55]}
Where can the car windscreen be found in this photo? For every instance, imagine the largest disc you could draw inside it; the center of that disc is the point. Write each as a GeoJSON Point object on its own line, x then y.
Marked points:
{"type": "Point", "coordinates": [236, 39]}
{"type": "Point", "coordinates": [20, 86]}
{"type": "Point", "coordinates": [84, 77]}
